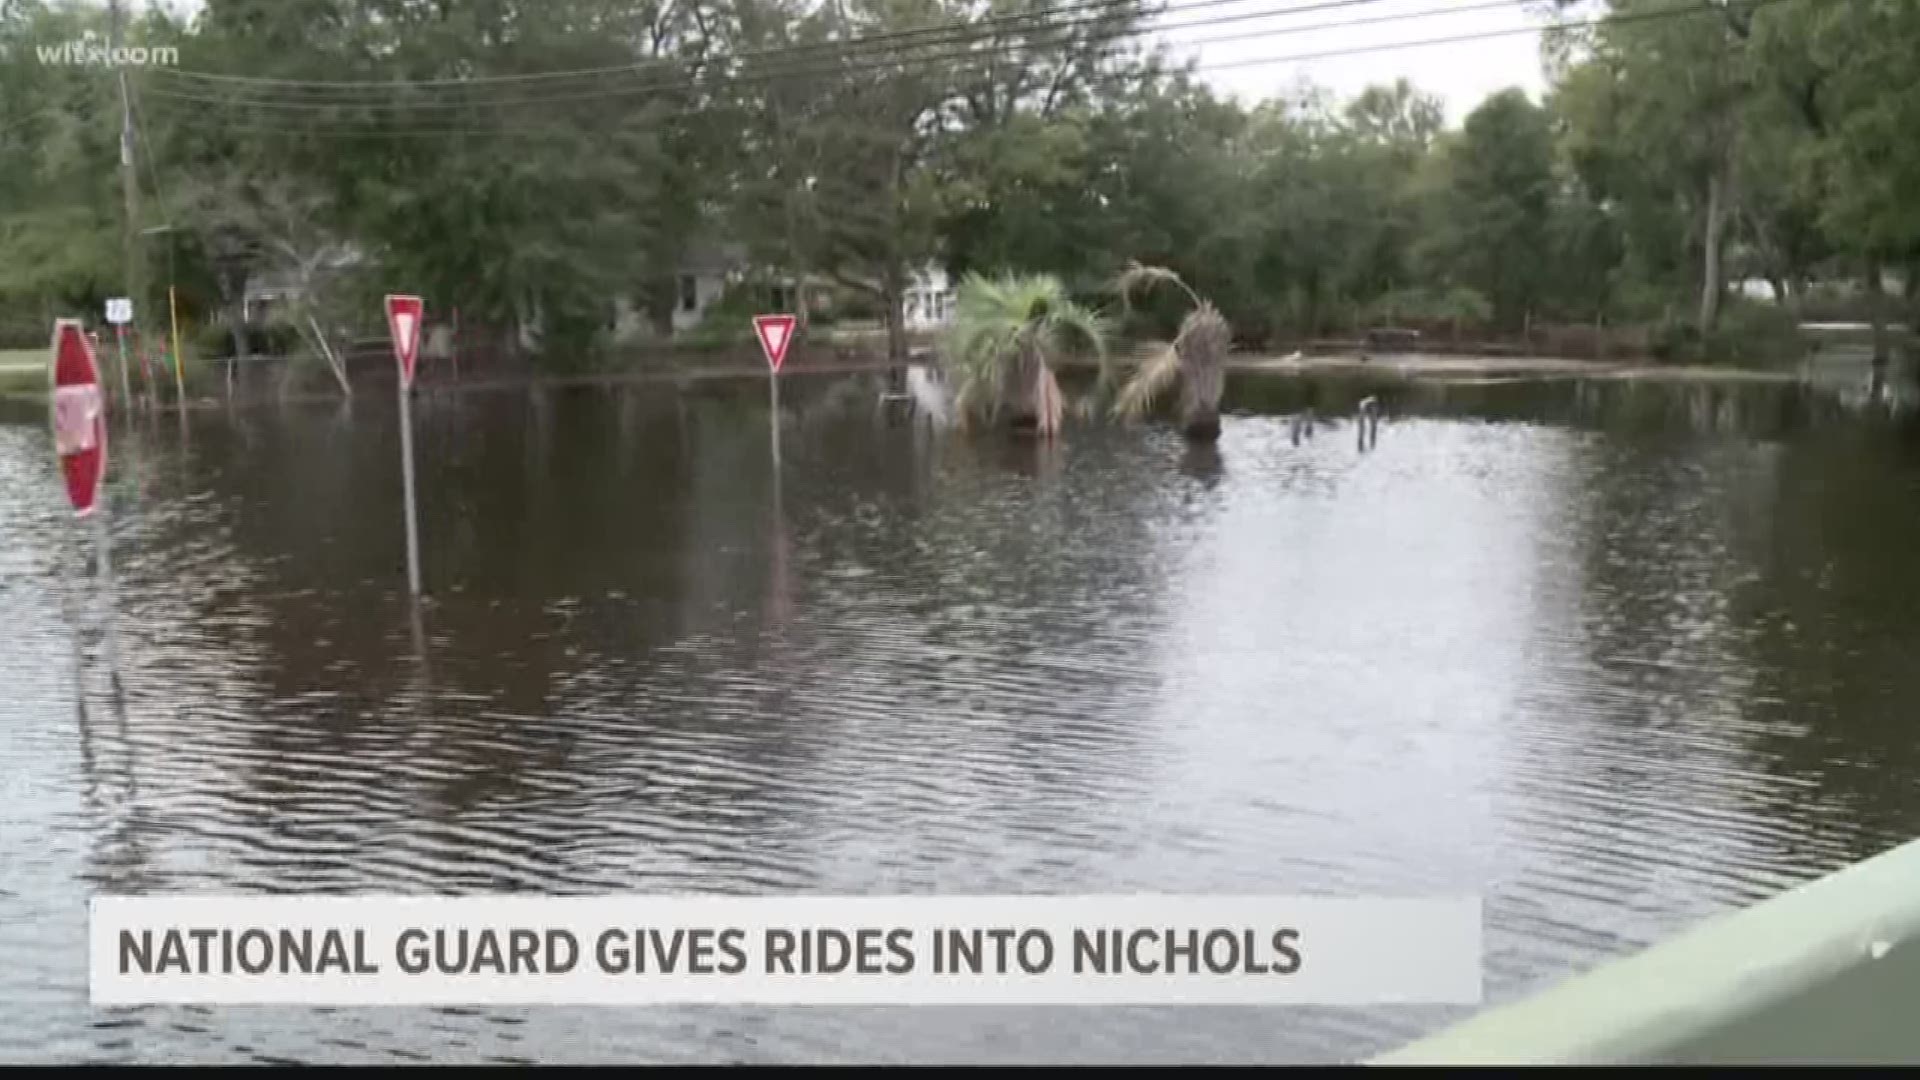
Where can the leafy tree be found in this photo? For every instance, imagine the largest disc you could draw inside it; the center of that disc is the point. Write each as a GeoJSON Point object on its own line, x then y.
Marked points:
{"type": "Point", "coordinates": [1846, 73]}
{"type": "Point", "coordinates": [864, 164]}
{"type": "Point", "coordinates": [1396, 116]}
{"type": "Point", "coordinates": [60, 241]}
{"type": "Point", "coordinates": [1491, 227]}
{"type": "Point", "coordinates": [1680, 78]}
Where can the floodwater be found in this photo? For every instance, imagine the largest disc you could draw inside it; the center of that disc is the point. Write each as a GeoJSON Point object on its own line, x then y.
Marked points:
{"type": "Point", "coordinates": [1614, 656]}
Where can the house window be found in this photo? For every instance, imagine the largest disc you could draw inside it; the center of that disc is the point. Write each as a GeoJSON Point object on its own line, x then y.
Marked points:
{"type": "Point", "coordinates": [689, 293]}
{"type": "Point", "coordinates": [782, 298]}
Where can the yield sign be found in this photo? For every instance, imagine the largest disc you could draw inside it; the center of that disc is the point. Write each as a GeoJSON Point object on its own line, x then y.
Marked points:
{"type": "Point", "coordinates": [404, 315]}
{"type": "Point", "coordinates": [776, 333]}
{"type": "Point", "coordinates": [79, 415]}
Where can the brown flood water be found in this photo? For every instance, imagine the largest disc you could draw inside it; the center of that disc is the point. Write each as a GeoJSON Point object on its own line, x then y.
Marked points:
{"type": "Point", "coordinates": [1613, 656]}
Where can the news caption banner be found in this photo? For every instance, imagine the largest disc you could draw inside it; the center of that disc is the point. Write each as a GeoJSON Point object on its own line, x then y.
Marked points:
{"type": "Point", "coordinates": [806, 950]}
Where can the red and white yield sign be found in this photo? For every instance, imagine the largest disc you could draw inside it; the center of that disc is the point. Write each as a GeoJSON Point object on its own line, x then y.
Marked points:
{"type": "Point", "coordinates": [776, 333]}
{"type": "Point", "coordinates": [404, 315]}
{"type": "Point", "coordinates": [79, 415]}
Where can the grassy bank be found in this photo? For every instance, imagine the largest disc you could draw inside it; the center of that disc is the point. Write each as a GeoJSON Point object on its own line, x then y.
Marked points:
{"type": "Point", "coordinates": [1487, 367]}
{"type": "Point", "coordinates": [23, 371]}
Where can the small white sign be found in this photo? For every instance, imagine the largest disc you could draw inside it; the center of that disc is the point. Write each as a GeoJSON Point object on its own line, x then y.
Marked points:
{"type": "Point", "coordinates": [784, 950]}
{"type": "Point", "coordinates": [120, 311]}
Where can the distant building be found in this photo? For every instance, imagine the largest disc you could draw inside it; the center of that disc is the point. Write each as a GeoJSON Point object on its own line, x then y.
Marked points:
{"type": "Point", "coordinates": [928, 302]}
{"type": "Point", "coordinates": [709, 273]}
{"type": "Point", "coordinates": [704, 276]}
{"type": "Point", "coordinates": [269, 290]}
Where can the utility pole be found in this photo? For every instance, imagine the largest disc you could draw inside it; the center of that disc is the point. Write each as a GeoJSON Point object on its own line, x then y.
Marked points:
{"type": "Point", "coordinates": [130, 192]}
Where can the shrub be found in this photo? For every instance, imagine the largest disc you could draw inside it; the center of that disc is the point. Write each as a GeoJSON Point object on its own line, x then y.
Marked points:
{"type": "Point", "coordinates": [1753, 332]}
{"type": "Point", "coordinates": [1749, 333]}
{"type": "Point", "coordinates": [728, 321]}
{"type": "Point", "coordinates": [853, 305]}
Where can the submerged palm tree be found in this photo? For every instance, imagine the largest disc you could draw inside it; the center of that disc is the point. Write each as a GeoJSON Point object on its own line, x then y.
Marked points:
{"type": "Point", "coordinates": [1196, 359]}
{"type": "Point", "coordinates": [1008, 333]}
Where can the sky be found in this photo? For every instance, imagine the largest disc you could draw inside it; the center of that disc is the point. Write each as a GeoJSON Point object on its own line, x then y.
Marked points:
{"type": "Point", "coordinates": [1461, 74]}
{"type": "Point", "coordinates": [1259, 30]}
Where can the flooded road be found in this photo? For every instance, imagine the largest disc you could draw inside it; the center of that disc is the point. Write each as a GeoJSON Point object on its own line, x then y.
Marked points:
{"type": "Point", "coordinates": [1613, 656]}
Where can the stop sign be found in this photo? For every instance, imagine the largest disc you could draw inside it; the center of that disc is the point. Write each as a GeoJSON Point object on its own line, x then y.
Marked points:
{"type": "Point", "coordinates": [79, 415]}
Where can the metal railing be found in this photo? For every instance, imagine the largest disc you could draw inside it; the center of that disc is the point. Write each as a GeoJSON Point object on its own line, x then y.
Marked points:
{"type": "Point", "coordinates": [1828, 972]}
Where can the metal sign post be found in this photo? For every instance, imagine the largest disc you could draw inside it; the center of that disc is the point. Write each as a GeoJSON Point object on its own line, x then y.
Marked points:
{"type": "Point", "coordinates": [773, 409]}
{"type": "Point", "coordinates": [120, 313]}
{"type": "Point", "coordinates": [179, 379]}
{"type": "Point", "coordinates": [404, 314]}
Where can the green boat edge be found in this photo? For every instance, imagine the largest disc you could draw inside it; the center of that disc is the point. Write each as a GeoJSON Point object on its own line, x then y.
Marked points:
{"type": "Point", "coordinates": [1827, 972]}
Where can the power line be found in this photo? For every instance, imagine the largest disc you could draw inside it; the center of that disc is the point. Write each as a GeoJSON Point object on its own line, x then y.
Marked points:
{"type": "Point", "coordinates": [800, 69]}
{"type": "Point", "coordinates": [28, 119]}
{"type": "Point", "coordinates": [1487, 35]}
{"type": "Point", "coordinates": [1676, 12]}
{"type": "Point", "coordinates": [153, 173]}
{"type": "Point", "coordinates": [627, 69]}
{"type": "Point", "coordinates": [847, 46]}
{"type": "Point", "coordinates": [1079, 14]}
{"type": "Point", "coordinates": [1454, 8]}
{"type": "Point", "coordinates": [964, 56]}
{"type": "Point", "coordinates": [753, 69]}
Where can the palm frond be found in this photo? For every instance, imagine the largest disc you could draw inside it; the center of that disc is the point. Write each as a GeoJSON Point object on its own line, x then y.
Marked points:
{"type": "Point", "coordinates": [1149, 381]}
{"type": "Point", "coordinates": [1073, 328]}
{"type": "Point", "coordinates": [1137, 277]}
{"type": "Point", "coordinates": [1007, 333]}
{"type": "Point", "coordinates": [1203, 343]}
{"type": "Point", "coordinates": [1204, 338]}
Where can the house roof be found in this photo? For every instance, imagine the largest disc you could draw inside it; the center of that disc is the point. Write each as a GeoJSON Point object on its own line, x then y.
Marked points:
{"type": "Point", "coordinates": [263, 283]}
{"type": "Point", "coordinates": [714, 256]}
{"type": "Point", "coordinates": [270, 283]}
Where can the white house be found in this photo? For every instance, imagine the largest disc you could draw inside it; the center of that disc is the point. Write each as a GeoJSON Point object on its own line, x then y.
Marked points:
{"type": "Point", "coordinates": [710, 271]}
{"type": "Point", "coordinates": [264, 291]}
{"type": "Point", "coordinates": [928, 302]}
{"type": "Point", "coordinates": [703, 278]}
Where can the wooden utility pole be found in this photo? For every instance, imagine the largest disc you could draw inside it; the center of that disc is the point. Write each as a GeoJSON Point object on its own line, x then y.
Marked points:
{"type": "Point", "coordinates": [129, 185]}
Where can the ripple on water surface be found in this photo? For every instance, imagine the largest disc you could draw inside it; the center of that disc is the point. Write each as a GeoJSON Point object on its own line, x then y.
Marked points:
{"type": "Point", "coordinates": [1612, 678]}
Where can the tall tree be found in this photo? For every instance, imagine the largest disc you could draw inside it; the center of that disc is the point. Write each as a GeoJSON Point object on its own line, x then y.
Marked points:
{"type": "Point", "coordinates": [1846, 72]}
{"type": "Point", "coordinates": [1491, 224]}
{"type": "Point", "coordinates": [59, 230]}
{"type": "Point", "coordinates": [844, 154]}
{"type": "Point", "coordinates": [967, 124]}
{"type": "Point", "coordinates": [1680, 77]}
